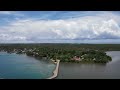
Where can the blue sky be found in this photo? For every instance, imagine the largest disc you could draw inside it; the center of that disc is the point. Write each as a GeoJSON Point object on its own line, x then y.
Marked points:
{"type": "Point", "coordinates": [59, 27]}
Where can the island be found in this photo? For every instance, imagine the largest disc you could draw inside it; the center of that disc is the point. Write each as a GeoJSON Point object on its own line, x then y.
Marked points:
{"type": "Point", "coordinates": [63, 52]}
{"type": "Point", "coordinates": [56, 52]}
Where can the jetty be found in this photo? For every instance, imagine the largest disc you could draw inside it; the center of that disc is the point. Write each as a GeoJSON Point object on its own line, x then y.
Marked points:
{"type": "Point", "coordinates": [55, 72]}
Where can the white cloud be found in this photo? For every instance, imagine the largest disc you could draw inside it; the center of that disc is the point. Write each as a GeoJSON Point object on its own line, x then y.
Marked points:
{"type": "Point", "coordinates": [6, 12]}
{"type": "Point", "coordinates": [15, 13]}
{"type": "Point", "coordinates": [9, 37]}
{"type": "Point", "coordinates": [104, 25]}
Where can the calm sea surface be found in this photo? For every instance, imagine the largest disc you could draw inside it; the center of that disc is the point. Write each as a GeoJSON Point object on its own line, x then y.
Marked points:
{"type": "Point", "coordinates": [14, 66]}
{"type": "Point", "coordinates": [110, 70]}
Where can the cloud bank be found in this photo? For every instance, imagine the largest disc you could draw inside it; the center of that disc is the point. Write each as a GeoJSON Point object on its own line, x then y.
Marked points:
{"type": "Point", "coordinates": [99, 26]}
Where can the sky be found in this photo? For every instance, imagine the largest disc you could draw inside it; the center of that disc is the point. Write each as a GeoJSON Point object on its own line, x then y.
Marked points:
{"type": "Point", "coordinates": [59, 26]}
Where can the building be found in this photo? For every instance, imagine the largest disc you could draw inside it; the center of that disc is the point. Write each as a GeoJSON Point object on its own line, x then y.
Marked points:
{"type": "Point", "coordinates": [77, 58]}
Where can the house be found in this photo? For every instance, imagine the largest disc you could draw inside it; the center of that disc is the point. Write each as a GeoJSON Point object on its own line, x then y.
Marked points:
{"type": "Point", "coordinates": [77, 58]}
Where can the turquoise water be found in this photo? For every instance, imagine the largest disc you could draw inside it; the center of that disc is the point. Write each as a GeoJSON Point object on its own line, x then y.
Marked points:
{"type": "Point", "coordinates": [14, 66]}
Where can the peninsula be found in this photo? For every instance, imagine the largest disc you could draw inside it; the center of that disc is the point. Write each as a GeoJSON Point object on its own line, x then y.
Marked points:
{"type": "Point", "coordinates": [63, 52]}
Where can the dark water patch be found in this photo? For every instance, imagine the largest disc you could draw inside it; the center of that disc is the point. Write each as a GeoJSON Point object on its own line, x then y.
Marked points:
{"type": "Point", "coordinates": [92, 71]}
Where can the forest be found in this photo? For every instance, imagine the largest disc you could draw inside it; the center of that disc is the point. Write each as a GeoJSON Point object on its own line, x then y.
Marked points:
{"type": "Point", "coordinates": [64, 52]}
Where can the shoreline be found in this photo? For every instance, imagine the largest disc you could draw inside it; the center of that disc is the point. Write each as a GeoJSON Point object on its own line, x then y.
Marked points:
{"type": "Point", "coordinates": [55, 72]}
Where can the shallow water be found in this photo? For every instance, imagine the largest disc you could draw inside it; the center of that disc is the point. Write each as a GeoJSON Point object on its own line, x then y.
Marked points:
{"type": "Point", "coordinates": [92, 71]}
{"type": "Point", "coordinates": [14, 66]}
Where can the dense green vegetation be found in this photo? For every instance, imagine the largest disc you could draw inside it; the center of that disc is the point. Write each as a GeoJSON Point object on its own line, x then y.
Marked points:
{"type": "Point", "coordinates": [64, 52]}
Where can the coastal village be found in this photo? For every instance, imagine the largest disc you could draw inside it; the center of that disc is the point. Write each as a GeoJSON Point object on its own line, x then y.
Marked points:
{"type": "Point", "coordinates": [70, 53]}
{"type": "Point", "coordinates": [58, 53]}
{"type": "Point", "coordinates": [17, 51]}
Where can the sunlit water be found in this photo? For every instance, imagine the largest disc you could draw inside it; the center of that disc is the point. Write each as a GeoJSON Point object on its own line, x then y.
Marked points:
{"type": "Point", "coordinates": [14, 66]}
{"type": "Point", "coordinates": [110, 70]}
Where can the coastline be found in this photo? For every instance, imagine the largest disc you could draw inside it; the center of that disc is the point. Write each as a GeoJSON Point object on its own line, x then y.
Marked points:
{"type": "Point", "coordinates": [55, 72]}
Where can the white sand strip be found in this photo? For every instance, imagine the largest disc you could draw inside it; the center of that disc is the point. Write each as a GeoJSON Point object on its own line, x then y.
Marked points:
{"type": "Point", "coordinates": [55, 72]}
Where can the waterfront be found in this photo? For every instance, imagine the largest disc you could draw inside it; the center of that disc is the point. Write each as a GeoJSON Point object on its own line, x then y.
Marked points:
{"type": "Point", "coordinates": [15, 66]}
{"type": "Point", "coordinates": [91, 71]}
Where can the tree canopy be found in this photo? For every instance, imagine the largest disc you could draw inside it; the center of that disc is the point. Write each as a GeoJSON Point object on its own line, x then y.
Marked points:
{"type": "Point", "coordinates": [64, 52]}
